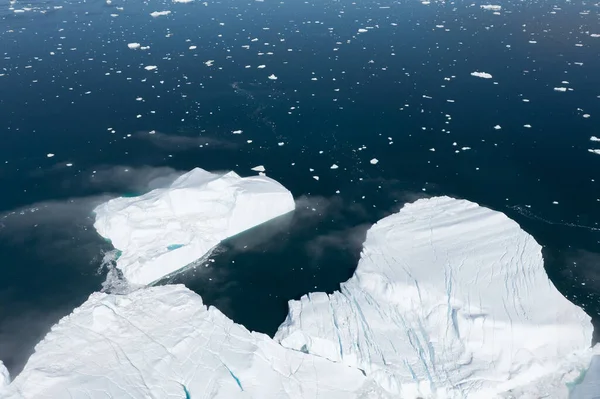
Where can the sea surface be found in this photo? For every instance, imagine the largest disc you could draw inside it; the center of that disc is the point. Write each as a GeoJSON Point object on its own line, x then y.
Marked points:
{"type": "Point", "coordinates": [382, 89]}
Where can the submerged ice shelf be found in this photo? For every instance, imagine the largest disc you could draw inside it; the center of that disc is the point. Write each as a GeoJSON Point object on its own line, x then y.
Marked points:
{"type": "Point", "coordinates": [168, 228]}
{"type": "Point", "coordinates": [449, 300]}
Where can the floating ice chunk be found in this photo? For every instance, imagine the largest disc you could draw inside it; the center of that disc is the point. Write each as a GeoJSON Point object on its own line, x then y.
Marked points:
{"type": "Point", "coordinates": [594, 138]}
{"type": "Point", "coordinates": [49, 155]}
{"type": "Point", "coordinates": [491, 7]}
{"type": "Point", "coordinates": [259, 168]}
{"type": "Point", "coordinates": [316, 177]}
{"type": "Point", "coordinates": [134, 46]}
{"type": "Point", "coordinates": [150, 67]}
{"type": "Point", "coordinates": [163, 342]}
{"type": "Point", "coordinates": [334, 166]}
{"type": "Point", "coordinates": [595, 34]}
{"type": "Point", "coordinates": [198, 210]}
{"type": "Point", "coordinates": [563, 89]}
{"type": "Point", "coordinates": [528, 126]}
{"type": "Point", "coordinates": [594, 151]}
{"type": "Point", "coordinates": [209, 62]}
{"type": "Point", "coordinates": [157, 14]}
{"type": "Point", "coordinates": [497, 127]}
{"type": "Point", "coordinates": [182, 1]}
{"type": "Point", "coordinates": [192, 47]}
{"type": "Point", "coordinates": [261, 66]}
{"type": "Point", "coordinates": [362, 30]}
{"type": "Point", "coordinates": [272, 77]}
{"type": "Point", "coordinates": [449, 300]}
{"type": "Point", "coordinates": [237, 132]}
{"type": "Point", "coordinates": [483, 75]}
{"type": "Point", "coordinates": [374, 161]}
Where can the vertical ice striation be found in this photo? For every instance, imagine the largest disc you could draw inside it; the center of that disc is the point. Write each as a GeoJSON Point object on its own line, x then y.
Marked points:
{"type": "Point", "coordinates": [449, 299]}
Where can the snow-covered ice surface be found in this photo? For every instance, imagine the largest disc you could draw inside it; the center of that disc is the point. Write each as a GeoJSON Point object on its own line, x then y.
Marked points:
{"type": "Point", "coordinates": [4, 376]}
{"type": "Point", "coordinates": [449, 299]}
{"type": "Point", "coordinates": [169, 228]}
{"type": "Point", "coordinates": [162, 342]}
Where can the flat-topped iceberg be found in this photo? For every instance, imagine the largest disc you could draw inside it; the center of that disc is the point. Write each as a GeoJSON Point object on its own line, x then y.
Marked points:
{"type": "Point", "coordinates": [449, 299]}
{"type": "Point", "coordinates": [168, 228]}
{"type": "Point", "coordinates": [162, 342]}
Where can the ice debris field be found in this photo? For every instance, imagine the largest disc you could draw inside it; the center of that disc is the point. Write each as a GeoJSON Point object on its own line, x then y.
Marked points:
{"type": "Point", "coordinates": [166, 229]}
{"type": "Point", "coordinates": [449, 300]}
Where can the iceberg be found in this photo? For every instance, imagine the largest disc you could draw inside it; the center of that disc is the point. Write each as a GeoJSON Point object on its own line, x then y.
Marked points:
{"type": "Point", "coordinates": [168, 228]}
{"type": "Point", "coordinates": [162, 342]}
{"type": "Point", "coordinates": [449, 300]}
{"type": "Point", "coordinates": [4, 376]}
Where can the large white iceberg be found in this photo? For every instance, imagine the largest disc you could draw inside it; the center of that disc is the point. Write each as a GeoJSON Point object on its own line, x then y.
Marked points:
{"type": "Point", "coordinates": [449, 299]}
{"type": "Point", "coordinates": [169, 228]}
{"type": "Point", "coordinates": [162, 342]}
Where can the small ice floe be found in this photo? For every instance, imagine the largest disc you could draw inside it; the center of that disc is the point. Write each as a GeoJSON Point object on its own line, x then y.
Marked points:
{"type": "Point", "coordinates": [272, 77]}
{"type": "Point", "coordinates": [157, 14]}
{"type": "Point", "coordinates": [261, 66]}
{"type": "Point", "coordinates": [561, 89]}
{"type": "Point", "coordinates": [182, 1]}
{"type": "Point", "coordinates": [483, 75]}
{"type": "Point", "coordinates": [259, 168]}
{"type": "Point", "coordinates": [593, 151]}
{"type": "Point", "coordinates": [594, 138]}
{"type": "Point", "coordinates": [528, 126]}
{"type": "Point", "coordinates": [497, 127]}
{"type": "Point", "coordinates": [192, 47]}
{"type": "Point", "coordinates": [209, 62]}
{"type": "Point", "coordinates": [50, 155]}
{"type": "Point", "coordinates": [362, 30]}
{"type": "Point", "coordinates": [237, 132]}
{"type": "Point", "coordinates": [150, 67]}
{"type": "Point", "coordinates": [134, 46]}
{"type": "Point", "coordinates": [334, 166]}
{"type": "Point", "coordinates": [374, 161]}
{"type": "Point", "coordinates": [316, 178]}
{"type": "Point", "coordinates": [491, 7]}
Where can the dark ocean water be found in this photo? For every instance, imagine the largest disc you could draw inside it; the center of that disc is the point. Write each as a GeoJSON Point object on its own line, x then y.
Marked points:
{"type": "Point", "coordinates": [70, 86]}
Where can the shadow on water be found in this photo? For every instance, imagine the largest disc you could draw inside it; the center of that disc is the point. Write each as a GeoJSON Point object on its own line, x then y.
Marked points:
{"type": "Point", "coordinates": [252, 276]}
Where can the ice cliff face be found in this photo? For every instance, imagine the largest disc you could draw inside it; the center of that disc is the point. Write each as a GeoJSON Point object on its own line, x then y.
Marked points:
{"type": "Point", "coordinates": [449, 300]}
{"type": "Point", "coordinates": [167, 229]}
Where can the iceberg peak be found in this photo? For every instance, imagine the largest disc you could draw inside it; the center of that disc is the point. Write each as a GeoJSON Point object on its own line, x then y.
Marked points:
{"type": "Point", "coordinates": [168, 228]}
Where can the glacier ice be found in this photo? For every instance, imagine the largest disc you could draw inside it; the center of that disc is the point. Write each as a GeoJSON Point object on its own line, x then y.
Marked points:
{"type": "Point", "coordinates": [162, 342]}
{"type": "Point", "coordinates": [449, 299]}
{"type": "Point", "coordinates": [4, 376]}
{"type": "Point", "coordinates": [169, 228]}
